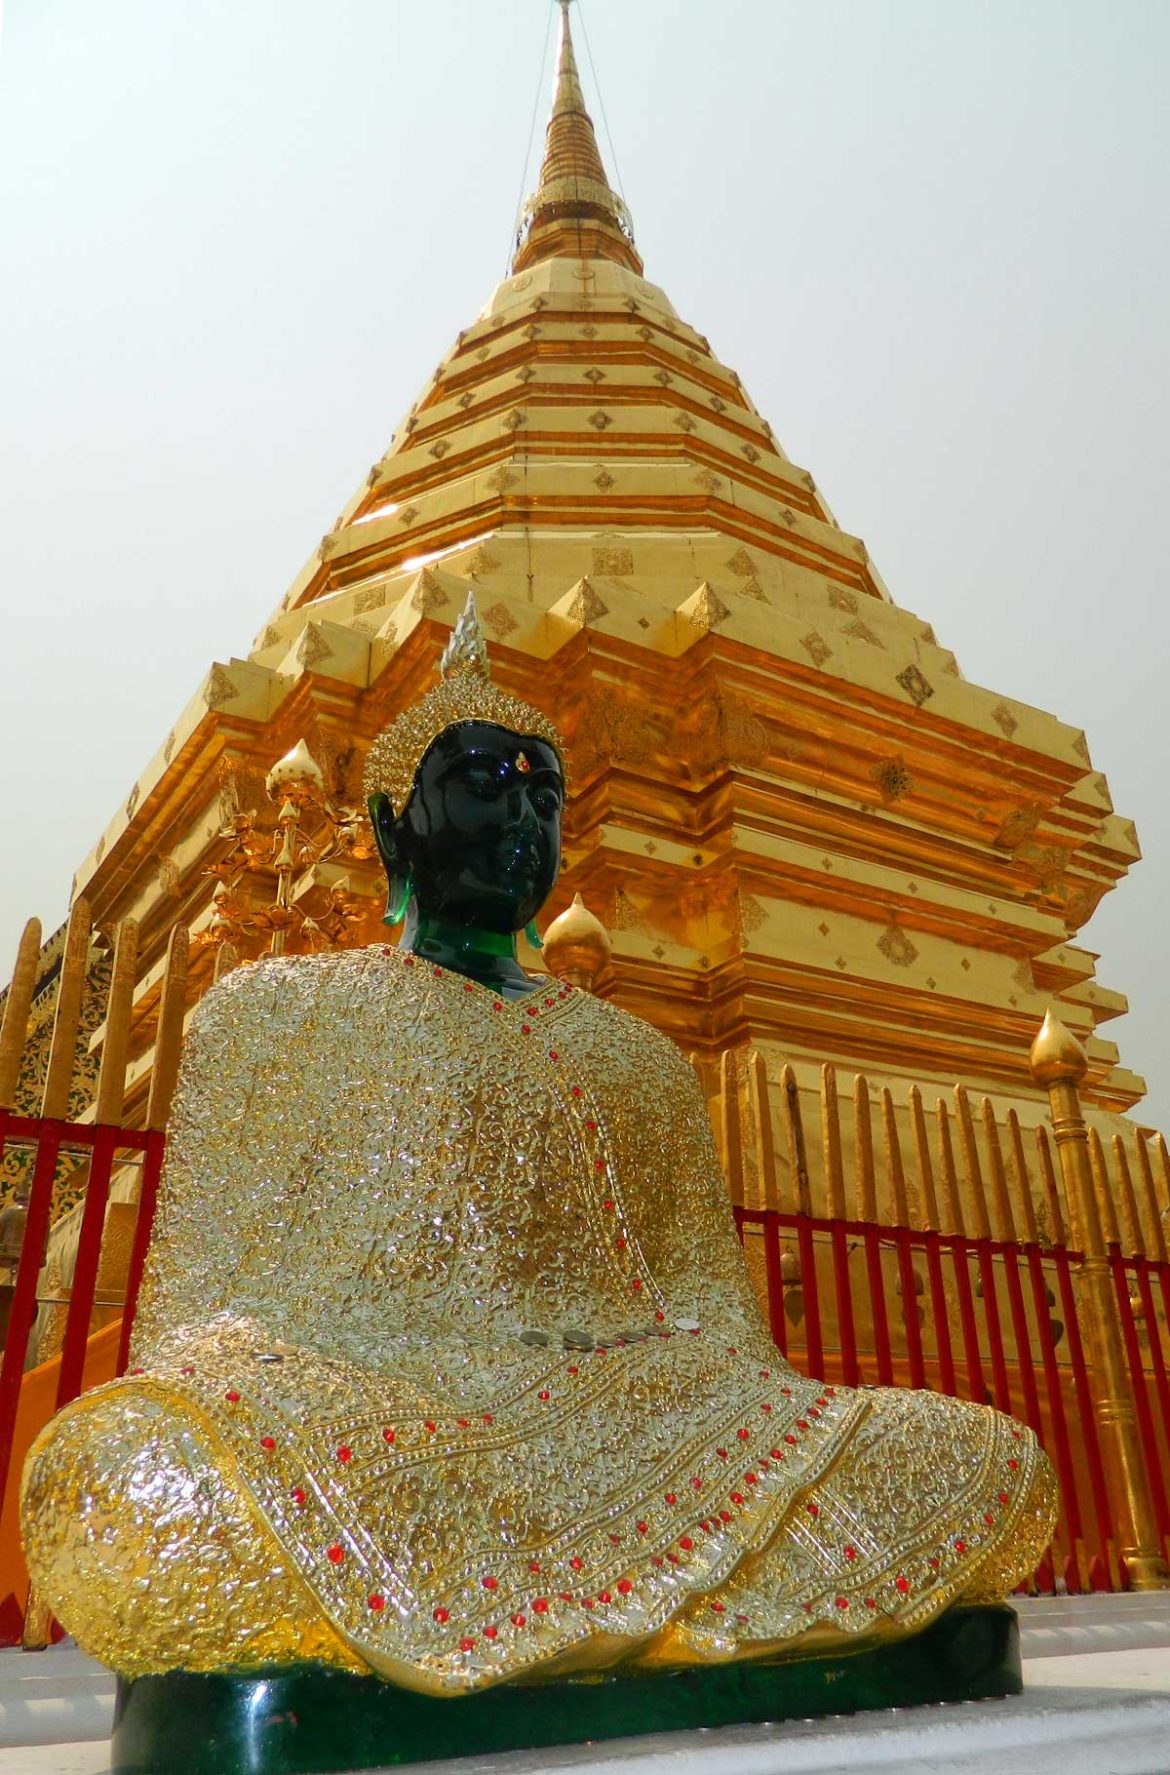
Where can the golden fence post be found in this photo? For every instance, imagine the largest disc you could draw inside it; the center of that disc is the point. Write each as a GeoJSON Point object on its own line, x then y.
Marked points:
{"type": "Point", "coordinates": [168, 1038]}
{"type": "Point", "coordinates": [1059, 1064]}
{"type": "Point", "coordinates": [119, 1006]}
{"type": "Point", "coordinates": [67, 1017]}
{"type": "Point", "coordinates": [17, 1008]}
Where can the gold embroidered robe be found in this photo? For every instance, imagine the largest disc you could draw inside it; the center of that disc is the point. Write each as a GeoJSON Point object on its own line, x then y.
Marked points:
{"type": "Point", "coordinates": [449, 1368]}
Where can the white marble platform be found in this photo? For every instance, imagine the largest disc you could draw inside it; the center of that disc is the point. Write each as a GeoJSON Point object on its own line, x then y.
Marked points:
{"type": "Point", "coordinates": [1097, 1702]}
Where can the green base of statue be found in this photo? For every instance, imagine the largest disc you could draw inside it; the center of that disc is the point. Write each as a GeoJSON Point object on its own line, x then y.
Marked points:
{"type": "Point", "coordinates": [308, 1719]}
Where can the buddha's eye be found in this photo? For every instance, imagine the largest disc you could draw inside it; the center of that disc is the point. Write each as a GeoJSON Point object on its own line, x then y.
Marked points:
{"type": "Point", "coordinates": [481, 779]}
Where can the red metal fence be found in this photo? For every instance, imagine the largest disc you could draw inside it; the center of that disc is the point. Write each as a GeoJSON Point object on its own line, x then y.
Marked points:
{"type": "Point", "coordinates": [860, 1303]}
{"type": "Point", "coordinates": [45, 1146]}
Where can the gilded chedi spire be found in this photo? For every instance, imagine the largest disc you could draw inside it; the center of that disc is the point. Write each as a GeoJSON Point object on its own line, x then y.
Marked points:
{"type": "Point", "coordinates": [574, 211]}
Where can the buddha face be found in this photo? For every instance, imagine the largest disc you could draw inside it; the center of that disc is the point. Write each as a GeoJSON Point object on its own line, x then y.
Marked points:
{"type": "Point", "coordinates": [481, 833]}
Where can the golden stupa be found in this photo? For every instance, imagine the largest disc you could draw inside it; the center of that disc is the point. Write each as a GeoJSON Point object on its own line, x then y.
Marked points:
{"type": "Point", "coordinates": [807, 833]}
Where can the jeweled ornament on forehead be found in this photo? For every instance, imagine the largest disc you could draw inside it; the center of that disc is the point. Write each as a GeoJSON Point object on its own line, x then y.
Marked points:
{"type": "Point", "coordinates": [522, 763]}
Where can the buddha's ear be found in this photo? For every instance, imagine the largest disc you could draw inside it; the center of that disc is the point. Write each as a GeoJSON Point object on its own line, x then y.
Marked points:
{"type": "Point", "coordinates": [385, 824]}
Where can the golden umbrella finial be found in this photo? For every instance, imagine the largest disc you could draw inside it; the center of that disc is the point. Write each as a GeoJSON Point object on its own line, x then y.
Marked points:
{"type": "Point", "coordinates": [1057, 1056]}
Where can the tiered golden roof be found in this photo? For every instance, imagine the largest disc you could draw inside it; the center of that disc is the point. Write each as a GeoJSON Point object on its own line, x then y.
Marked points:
{"type": "Point", "coordinates": [804, 828]}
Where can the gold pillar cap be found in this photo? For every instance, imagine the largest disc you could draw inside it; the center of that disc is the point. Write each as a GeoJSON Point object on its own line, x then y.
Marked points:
{"type": "Point", "coordinates": [1057, 1057]}
{"type": "Point", "coordinates": [576, 945]}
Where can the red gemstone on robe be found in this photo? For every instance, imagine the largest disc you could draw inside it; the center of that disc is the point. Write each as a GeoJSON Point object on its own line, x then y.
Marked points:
{"type": "Point", "coordinates": [814, 1509]}
{"type": "Point", "coordinates": [870, 1603]}
{"type": "Point", "coordinates": [345, 1455]}
{"type": "Point", "coordinates": [1014, 1465]}
{"type": "Point", "coordinates": [751, 1478]}
{"type": "Point", "coordinates": [765, 1374]}
{"type": "Point", "coordinates": [540, 1605]}
{"type": "Point", "coordinates": [989, 1519]}
{"type": "Point", "coordinates": [438, 972]}
{"type": "Point", "coordinates": [497, 1004]}
{"type": "Point", "coordinates": [387, 1435]}
{"type": "Point", "coordinates": [592, 1127]}
{"type": "Point", "coordinates": [624, 1586]}
{"type": "Point", "coordinates": [960, 1546]}
{"type": "Point", "coordinates": [534, 1565]}
{"type": "Point", "coordinates": [553, 1054]}
{"type": "Point", "coordinates": [544, 1394]}
{"type": "Point", "coordinates": [777, 1454]}
{"type": "Point", "coordinates": [527, 1029]}
{"type": "Point", "coordinates": [487, 1417]}
{"type": "Point", "coordinates": [232, 1397]}
{"type": "Point", "coordinates": [671, 1498]}
{"type": "Point", "coordinates": [297, 1496]}
{"type": "Point", "coordinates": [933, 1564]}
{"type": "Point", "coordinates": [903, 1584]}
{"type": "Point", "coordinates": [620, 1243]}
{"type": "Point", "coordinates": [641, 1528]}
{"type": "Point", "coordinates": [851, 1552]}
{"type": "Point", "coordinates": [737, 1497]}
{"type": "Point", "coordinates": [463, 1423]}
{"type": "Point", "coordinates": [790, 1439]}
{"type": "Point", "coordinates": [268, 1443]}
{"type": "Point", "coordinates": [766, 1406]}
{"type": "Point", "coordinates": [518, 1620]}
{"type": "Point", "coordinates": [696, 1483]}
{"type": "Point", "coordinates": [188, 1368]}
{"type": "Point", "coordinates": [335, 1554]}
{"type": "Point", "coordinates": [636, 1284]}
{"type": "Point", "coordinates": [604, 1596]}
{"type": "Point", "coordinates": [442, 1617]}
{"type": "Point", "coordinates": [801, 1424]}
{"type": "Point", "coordinates": [743, 1435]}
{"type": "Point", "coordinates": [686, 1543]}
{"type": "Point", "coordinates": [842, 1602]}
{"type": "Point", "coordinates": [377, 1603]}
{"type": "Point", "coordinates": [491, 1583]}
{"type": "Point", "coordinates": [576, 1562]}
{"type": "Point", "coordinates": [673, 1558]}
{"type": "Point", "coordinates": [725, 1516]}
{"type": "Point", "coordinates": [661, 1317]}
{"type": "Point", "coordinates": [490, 1632]}
{"type": "Point", "coordinates": [599, 1164]}
{"type": "Point", "coordinates": [467, 1645]}
{"type": "Point", "coordinates": [718, 1607]}
{"type": "Point", "coordinates": [576, 1091]}
{"type": "Point", "coordinates": [574, 1369]}
{"type": "Point", "coordinates": [468, 987]}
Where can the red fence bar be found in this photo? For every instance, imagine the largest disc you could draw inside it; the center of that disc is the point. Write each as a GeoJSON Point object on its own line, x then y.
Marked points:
{"type": "Point", "coordinates": [843, 1289]}
{"type": "Point", "coordinates": [1133, 1356]}
{"type": "Point", "coordinates": [959, 1249]}
{"type": "Point", "coordinates": [910, 1308]}
{"type": "Point", "coordinates": [999, 1374]}
{"type": "Point", "coordinates": [32, 1251]}
{"type": "Point", "coordinates": [941, 1315]}
{"type": "Point", "coordinates": [877, 1302]}
{"type": "Point", "coordinates": [1142, 1268]}
{"type": "Point", "coordinates": [1060, 1447]}
{"type": "Point", "coordinates": [814, 1342]}
{"type": "Point", "coordinates": [85, 1268]}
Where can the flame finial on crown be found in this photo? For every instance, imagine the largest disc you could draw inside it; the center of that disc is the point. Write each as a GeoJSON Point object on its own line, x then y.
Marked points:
{"type": "Point", "coordinates": [466, 651]}
{"type": "Point", "coordinates": [465, 692]}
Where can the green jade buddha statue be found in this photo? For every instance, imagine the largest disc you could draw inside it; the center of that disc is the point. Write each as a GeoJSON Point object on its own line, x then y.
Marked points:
{"type": "Point", "coordinates": [448, 1369]}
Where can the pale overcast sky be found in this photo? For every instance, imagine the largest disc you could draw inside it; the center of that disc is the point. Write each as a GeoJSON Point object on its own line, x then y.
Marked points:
{"type": "Point", "coordinates": [237, 235]}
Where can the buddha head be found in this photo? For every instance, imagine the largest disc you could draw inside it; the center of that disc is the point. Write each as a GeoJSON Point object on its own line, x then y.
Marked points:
{"type": "Point", "coordinates": [465, 791]}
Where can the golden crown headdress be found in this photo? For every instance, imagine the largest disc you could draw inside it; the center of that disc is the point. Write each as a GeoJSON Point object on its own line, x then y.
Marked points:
{"type": "Point", "coordinates": [465, 692]}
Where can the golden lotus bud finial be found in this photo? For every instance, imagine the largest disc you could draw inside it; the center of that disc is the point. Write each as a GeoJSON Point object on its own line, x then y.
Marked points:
{"type": "Point", "coordinates": [1057, 1056]}
{"type": "Point", "coordinates": [577, 946]}
{"type": "Point", "coordinates": [466, 651]}
{"type": "Point", "coordinates": [296, 777]}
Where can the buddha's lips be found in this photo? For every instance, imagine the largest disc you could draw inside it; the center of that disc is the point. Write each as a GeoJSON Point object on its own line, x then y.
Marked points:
{"type": "Point", "coordinates": [519, 858]}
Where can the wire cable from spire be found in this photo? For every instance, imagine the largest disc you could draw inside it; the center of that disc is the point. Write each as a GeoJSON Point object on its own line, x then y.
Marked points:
{"type": "Point", "coordinates": [600, 97]}
{"type": "Point", "coordinates": [531, 137]}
